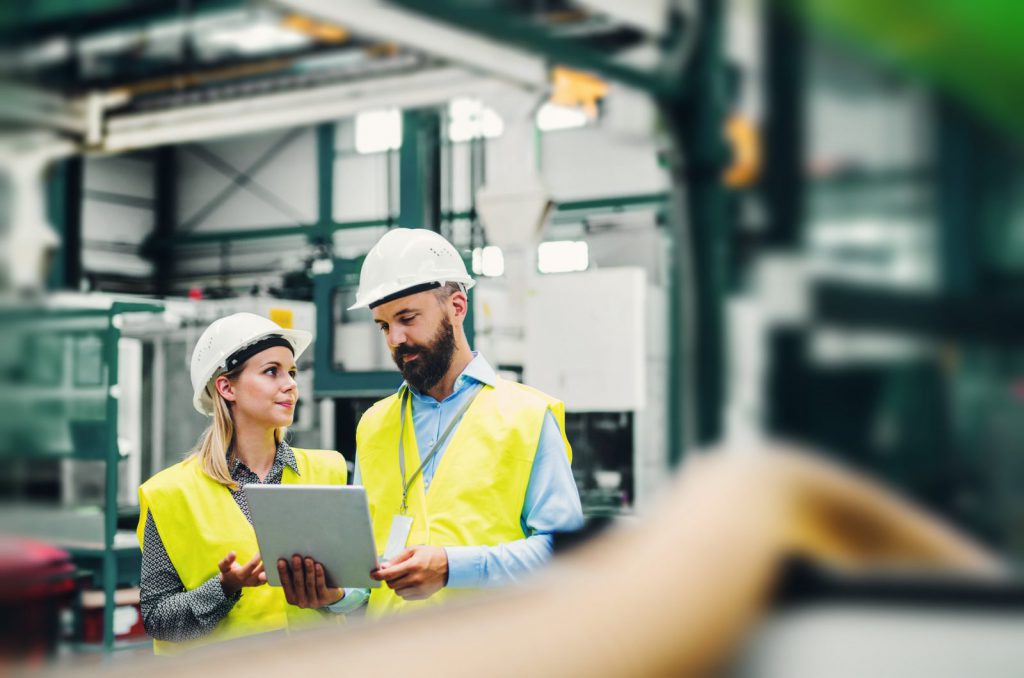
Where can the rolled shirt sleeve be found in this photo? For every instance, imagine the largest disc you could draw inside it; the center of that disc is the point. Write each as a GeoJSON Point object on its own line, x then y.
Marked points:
{"type": "Point", "coordinates": [353, 600]}
{"type": "Point", "coordinates": [552, 504]}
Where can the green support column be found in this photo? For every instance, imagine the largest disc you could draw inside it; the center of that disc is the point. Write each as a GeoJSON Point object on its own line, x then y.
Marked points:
{"type": "Point", "coordinates": [783, 182]}
{"type": "Point", "coordinates": [165, 193]}
{"type": "Point", "coordinates": [64, 211]}
{"type": "Point", "coordinates": [419, 172]}
{"type": "Point", "coordinates": [977, 194]}
{"type": "Point", "coordinates": [111, 482]}
{"type": "Point", "coordinates": [322, 232]}
{"type": "Point", "coordinates": [701, 230]}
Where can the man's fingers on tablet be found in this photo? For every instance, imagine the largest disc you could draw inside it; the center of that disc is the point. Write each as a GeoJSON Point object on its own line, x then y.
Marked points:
{"type": "Point", "coordinates": [399, 583]}
{"type": "Point", "coordinates": [396, 570]}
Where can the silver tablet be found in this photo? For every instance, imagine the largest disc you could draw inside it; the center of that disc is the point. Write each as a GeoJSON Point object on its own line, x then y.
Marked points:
{"type": "Point", "coordinates": [329, 523]}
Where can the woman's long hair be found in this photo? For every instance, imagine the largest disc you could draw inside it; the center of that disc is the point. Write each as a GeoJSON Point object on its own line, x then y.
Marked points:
{"type": "Point", "coordinates": [216, 448]}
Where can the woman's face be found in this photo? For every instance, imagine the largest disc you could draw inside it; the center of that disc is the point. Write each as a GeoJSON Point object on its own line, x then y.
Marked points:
{"type": "Point", "coordinates": [265, 391]}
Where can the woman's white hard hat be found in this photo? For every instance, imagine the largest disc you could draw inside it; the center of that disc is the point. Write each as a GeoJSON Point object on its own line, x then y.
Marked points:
{"type": "Point", "coordinates": [406, 260]}
{"type": "Point", "coordinates": [227, 336]}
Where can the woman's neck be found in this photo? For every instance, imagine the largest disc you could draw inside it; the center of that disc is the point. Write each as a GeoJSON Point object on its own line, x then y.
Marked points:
{"type": "Point", "coordinates": [255, 447]}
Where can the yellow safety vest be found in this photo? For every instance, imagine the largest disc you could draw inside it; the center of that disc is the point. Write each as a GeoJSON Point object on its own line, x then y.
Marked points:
{"type": "Point", "coordinates": [476, 495]}
{"type": "Point", "coordinates": [199, 523]}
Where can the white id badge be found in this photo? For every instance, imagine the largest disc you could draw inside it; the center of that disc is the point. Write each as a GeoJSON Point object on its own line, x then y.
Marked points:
{"type": "Point", "coordinates": [397, 538]}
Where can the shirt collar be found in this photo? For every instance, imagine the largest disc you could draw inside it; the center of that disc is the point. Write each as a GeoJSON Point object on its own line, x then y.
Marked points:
{"type": "Point", "coordinates": [284, 455]}
{"type": "Point", "coordinates": [478, 370]}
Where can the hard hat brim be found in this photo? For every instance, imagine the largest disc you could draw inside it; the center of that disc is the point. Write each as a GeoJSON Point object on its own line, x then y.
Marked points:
{"type": "Point", "coordinates": [383, 296]}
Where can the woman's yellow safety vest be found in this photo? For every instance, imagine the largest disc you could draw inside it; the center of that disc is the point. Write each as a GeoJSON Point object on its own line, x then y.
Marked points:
{"type": "Point", "coordinates": [199, 523]}
{"type": "Point", "coordinates": [476, 495]}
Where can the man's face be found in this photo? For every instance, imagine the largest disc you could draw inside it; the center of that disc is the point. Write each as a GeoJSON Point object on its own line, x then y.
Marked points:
{"type": "Point", "coordinates": [420, 337]}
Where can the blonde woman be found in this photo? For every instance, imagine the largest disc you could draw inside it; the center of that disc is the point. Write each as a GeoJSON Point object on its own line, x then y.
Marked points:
{"type": "Point", "coordinates": [202, 577]}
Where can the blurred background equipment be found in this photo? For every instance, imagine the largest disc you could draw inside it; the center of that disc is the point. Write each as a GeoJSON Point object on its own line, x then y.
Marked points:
{"type": "Point", "coordinates": [692, 220]}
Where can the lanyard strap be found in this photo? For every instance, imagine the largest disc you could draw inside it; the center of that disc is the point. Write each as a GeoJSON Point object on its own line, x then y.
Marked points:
{"type": "Point", "coordinates": [437, 445]}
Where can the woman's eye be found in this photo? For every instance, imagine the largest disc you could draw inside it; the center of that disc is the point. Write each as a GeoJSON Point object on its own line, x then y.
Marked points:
{"type": "Point", "coordinates": [271, 371]}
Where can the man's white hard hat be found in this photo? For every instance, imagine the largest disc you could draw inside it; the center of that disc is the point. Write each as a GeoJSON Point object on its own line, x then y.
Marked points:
{"type": "Point", "coordinates": [225, 337]}
{"type": "Point", "coordinates": [406, 261]}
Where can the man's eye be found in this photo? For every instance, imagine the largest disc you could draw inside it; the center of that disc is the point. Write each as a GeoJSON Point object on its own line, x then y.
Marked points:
{"type": "Point", "coordinates": [382, 328]}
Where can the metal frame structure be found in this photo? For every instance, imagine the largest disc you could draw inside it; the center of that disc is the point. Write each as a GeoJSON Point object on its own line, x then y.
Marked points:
{"type": "Point", "coordinates": [104, 447]}
{"type": "Point", "coordinates": [689, 88]}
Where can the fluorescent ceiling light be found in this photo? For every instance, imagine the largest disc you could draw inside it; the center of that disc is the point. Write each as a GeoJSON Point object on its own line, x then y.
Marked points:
{"type": "Point", "coordinates": [468, 119]}
{"type": "Point", "coordinates": [256, 38]}
{"type": "Point", "coordinates": [488, 261]}
{"type": "Point", "coordinates": [563, 256]}
{"type": "Point", "coordinates": [551, 117]}
{"type": "Point", "coordinates": [378, 131]}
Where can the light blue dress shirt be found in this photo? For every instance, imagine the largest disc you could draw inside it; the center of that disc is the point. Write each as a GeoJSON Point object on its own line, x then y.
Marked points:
{"type": "Point", "coordinates": [552, 502]}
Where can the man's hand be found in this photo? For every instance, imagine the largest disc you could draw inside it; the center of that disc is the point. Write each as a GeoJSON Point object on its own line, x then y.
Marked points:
{"type": "Point", "coordinates": [234, 576]}
{"type": "Point", "coordinates": [416, 573]}
{"type": "Point", "coordinates": [305, 584]}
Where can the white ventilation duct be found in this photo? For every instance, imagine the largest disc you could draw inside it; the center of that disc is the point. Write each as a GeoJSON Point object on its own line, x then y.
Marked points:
{"type": "Point", "coordinates": [514, 204]}
{"type": "Point", "coordinates": [29, 239]}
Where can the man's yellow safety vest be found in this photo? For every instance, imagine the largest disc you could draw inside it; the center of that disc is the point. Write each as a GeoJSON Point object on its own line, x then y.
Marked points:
{"type": "Point", "coordinates": [199, 523]}
{"type": "Point", "coordinates": [477, 492]}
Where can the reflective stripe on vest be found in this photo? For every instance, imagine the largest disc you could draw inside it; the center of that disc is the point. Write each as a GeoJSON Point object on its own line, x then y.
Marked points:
{"type": "Point", "coordinates": [199, 523]}
{"type": "Point", "coordinates": [476, 495]}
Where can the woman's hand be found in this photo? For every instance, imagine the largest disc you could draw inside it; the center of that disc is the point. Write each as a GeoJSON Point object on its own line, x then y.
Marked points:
{"type": "Point", "coordinates": [234, 576]}
{"type": "Point", "coordinates": [305, 584]}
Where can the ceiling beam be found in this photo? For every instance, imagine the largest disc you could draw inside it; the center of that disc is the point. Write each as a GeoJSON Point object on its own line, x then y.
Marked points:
{"type": "Point", "coordinates": [373, 18]}
{"type": "Point", "coordinates": [250, 115]}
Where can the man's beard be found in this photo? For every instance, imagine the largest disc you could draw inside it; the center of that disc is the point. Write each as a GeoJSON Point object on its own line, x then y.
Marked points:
{"type": "Point", "coordinates": [432, 361]}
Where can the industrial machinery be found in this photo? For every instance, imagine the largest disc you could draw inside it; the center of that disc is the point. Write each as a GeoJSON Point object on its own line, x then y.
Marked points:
{"type": "Point", "coordinates": [595, 340]}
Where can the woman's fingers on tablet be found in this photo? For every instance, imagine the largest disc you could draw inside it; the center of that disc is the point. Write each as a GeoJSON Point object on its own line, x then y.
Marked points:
{"type": "Point", "coordinates": [310, 581]}
{"type": "Point", "coordinates": [259, 575]}
{"type": "Point", "coordinates": [225, 564]}
{"type": "Point", "coordinates": [299, 580]}
{"type": "Point", "coordinates": [321, 584]}
{"type": "Point", "coordinates": [253, 563]}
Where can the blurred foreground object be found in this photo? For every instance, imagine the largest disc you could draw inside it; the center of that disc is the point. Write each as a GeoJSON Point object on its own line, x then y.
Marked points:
{"type": "Point", "coordinates": [965, 47]}
{"type": "Point", "coordinates": [36, 583]}
{"type": "Point", "coordinates": [699, 572]}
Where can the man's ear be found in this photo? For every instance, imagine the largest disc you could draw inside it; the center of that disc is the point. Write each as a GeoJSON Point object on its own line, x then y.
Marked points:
{"type": "Point", "coordinates": [459, 303]}
{"type": "Point", "coordinates": [225, 388]}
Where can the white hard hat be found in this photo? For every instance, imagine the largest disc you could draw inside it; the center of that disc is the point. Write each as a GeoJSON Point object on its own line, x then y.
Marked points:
{"type": "Point", "coordinates": [225, 337]}
{"type": "Point", "coordinates": [405, 261]}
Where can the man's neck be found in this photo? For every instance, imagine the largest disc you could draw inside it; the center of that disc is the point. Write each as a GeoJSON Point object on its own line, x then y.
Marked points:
{"type": "Point", "coordinates": [460, 360]}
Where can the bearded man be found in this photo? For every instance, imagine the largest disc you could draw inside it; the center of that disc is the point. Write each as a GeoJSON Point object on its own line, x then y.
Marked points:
{"type": "Point", "coordinates": [467, 474]}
